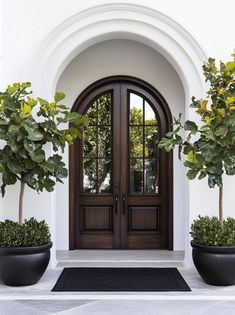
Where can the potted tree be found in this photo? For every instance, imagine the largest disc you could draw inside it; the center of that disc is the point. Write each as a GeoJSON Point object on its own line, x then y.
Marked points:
{"type": "Point", "coordinates": [25, 245]}
{"type": "Point", "coordinates": [210, 153]}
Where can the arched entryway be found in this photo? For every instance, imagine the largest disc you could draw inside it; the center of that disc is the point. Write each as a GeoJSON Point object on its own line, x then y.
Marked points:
{"type": "Point", "coordinates": [120, 183]}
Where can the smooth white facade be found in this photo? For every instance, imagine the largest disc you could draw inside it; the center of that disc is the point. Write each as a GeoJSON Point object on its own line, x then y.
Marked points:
{"type": "Point", "coordinates": [67, 45]}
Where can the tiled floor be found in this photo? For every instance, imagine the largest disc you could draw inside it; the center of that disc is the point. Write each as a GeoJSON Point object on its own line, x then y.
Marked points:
{"type": "Point", "coordinates": [39, 299]}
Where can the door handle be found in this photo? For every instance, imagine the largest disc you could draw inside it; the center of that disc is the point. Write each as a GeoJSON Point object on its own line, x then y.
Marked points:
{"type": "Point", "coordinates": [116, 204]}
{"type": "Point", "coordinates": [123, 204]}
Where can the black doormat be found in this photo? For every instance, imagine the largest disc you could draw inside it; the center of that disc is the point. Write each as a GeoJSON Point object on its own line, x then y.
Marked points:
{"type": "Point", "coordinates": [120, 279]}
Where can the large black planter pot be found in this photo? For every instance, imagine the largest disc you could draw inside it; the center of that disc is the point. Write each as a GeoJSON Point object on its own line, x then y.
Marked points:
{"type": "Point", "coordinates": [215, 264]}
{"type": "Point", "coordinates": [20, 266]}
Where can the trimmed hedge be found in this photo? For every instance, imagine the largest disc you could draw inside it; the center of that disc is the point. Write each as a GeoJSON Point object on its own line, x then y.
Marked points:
{"type": "Point", "coordinates": [30, 233]}
{"type": "Point", "coordinates": [209, 231]}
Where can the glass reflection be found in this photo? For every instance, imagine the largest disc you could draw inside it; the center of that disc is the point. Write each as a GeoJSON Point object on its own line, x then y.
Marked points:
{"type": "Point", "coordinates": [104, 141]}
{"type": "Point", "coordinates": [104, 175]}
{"type": "Point", "coordinates": [97, 146]}
{"type": "Point", "coordinates": [149, 114]}
{"type": "Point", "coordinates": [89, 142]}
{"type": "Point", "coordinates": [151, 141]}
{"type": "Point", "coordinates": [92, 114]}
{"type": "Point", "coordinates": [104, 109]}
{"type": "Point", "coordinates": [89, 175]}
{"type": "Point", "coordinates": [136, 141]}
{"type": "Point", "coordinates": [136, 109]}
{"type": "Point", "coordinates": [150, 176]}
{"type": "Point", "coordinates": [136, 175]}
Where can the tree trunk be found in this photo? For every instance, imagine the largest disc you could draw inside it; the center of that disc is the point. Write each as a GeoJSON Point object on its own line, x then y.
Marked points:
{"type": "Point", "coordinates": [221, 204]}
{"type": "Point", "coordinates": [21, 202]}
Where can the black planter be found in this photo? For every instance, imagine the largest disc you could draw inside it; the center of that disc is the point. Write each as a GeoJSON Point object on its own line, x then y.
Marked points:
{"type": "Point", "coordinates": [215, 264]}
{"type": "Point", "coordinates": [20, 266]}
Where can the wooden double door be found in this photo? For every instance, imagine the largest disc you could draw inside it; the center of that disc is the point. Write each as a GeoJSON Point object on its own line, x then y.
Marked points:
{"type": "Point", "coordinates": [120, 182]}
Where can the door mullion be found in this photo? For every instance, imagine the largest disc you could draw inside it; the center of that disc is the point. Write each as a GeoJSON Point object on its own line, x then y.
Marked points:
{"type": "Point", "coordinates": [116, 165]}
{"type": "Point", "coordinates": [124, 161]}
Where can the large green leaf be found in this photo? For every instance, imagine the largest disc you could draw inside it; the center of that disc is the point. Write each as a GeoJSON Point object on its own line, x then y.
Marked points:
{"type": "Point", "coordinates": [14, 166]}
{"type": "Point", "coordinates": [72, 116]}
{"type": "Point", "coordinates": [191, 174]}
{"type": "Point", "coordinates": [59, 96]}
{"type": "Point", "coordinates": [35, 136]}
{"type": "Point", "coordinates": [8, 178]}
{"type": "Point", "coordinates": [191, 126]}
{"type": "Point", "coordinates": [49, 184]}
{"type": "Point", "coordinates": [38, 155]}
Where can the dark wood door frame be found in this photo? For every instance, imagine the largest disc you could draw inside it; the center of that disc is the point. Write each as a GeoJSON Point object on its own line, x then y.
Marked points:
{"type": "Point", "coordinates": [74, 180]}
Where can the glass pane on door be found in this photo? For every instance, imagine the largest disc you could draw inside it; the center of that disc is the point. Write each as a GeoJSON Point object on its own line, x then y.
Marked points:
{"type": "Point", "coordinates": [143, 151]}
{"type": "Point", "coordinates": [97, 146]}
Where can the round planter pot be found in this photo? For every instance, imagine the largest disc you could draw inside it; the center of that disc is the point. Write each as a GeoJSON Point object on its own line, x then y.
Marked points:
{"type": "Point", "coordinates": [215, 264]}
{"type": "Point", "coordinates": [20, 266]}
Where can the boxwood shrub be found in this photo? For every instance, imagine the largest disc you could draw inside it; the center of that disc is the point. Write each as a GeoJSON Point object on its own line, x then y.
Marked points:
{"type": "Point", "coordinates": [209, 231]}
{"type": "Point", "coordinates": [30, 233]}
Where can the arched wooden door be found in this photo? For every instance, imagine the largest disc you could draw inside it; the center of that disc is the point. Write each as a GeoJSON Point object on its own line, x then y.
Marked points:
{"type": "Point", "coordinates": [120, 183]}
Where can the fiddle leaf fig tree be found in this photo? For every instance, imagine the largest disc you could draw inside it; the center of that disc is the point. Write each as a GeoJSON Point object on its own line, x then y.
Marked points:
{"type": "Point", "coordinates": [210, 147]}
{"type": "Point", "coordinates": [27, 125]}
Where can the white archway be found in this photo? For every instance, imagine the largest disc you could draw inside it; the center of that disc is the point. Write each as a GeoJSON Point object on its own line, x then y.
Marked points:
{"type": "Point", "coordinates": [118, 21]}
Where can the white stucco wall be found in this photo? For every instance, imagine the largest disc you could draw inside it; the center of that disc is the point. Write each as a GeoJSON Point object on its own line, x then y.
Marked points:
{"type": "Point", "coordinates": [26, 23]}
{"type": "Point", "coordinates": [30, 28]}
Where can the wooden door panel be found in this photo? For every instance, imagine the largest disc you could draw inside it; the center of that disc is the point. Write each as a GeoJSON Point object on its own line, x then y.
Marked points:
{"type": "Point", "coordinates": [96, 219]}
{"type": "Point", "coordinates": [144, 241]}
{"type": "Point", "coordinates": [143, 219]}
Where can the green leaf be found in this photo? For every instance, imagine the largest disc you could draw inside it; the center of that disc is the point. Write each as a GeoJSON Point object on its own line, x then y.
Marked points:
{"type": "Point", "coordinates": [202, 174]}
{"type": "Point", "coordinates": [26, 85]}
{"type": "Point", "coordinates": [29, 180]}
{"type": "Point", "coordinates": [38, 156]}
{"type": "Point", "coordinates": [32, 102]}
{"type": "Point", "coordinates": [191, 126]}
{"type": "Point", "coordinates": [62, 106]}
{"type": "Point", "coordinates": [9, 178]}
{"type": "Point", "coordinates": [230, 66]}
{"type": "Point", "coordinates": [3, 122]}
{"type": "Point", "coordinates": [42, 102]}
{"type": "Point", "coordinates": [33, 133]}
{"type": "Point", "coordinates": [2, 167]}
{"type": "Point", "coordinates": [72, 116]}
{"type": "Point", "coordinates": [13, 129]}
{"type": "Point", "coordinates": [59, 96]}
{"type": "Point", "coordinates": [3, 190]}
{"type": "Point", "coordinates": [166, 144]}
{"type": "Point", "coordinates": [30, 146]}
{"type": "Point", "coordinates": [14, 166]}
{"type": "Point", "coordinates": [49, 184]}
{"type": "Point", "coordinates": [29, 164]}
{"type": "Point", "coordinates": [220, 130]}
{"type": "Point", "coordinates": [12, 88]}
{"type": "Point", "coordinates": [47, 167]}
{"type": "Point", "coordinates": [191, 174]}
